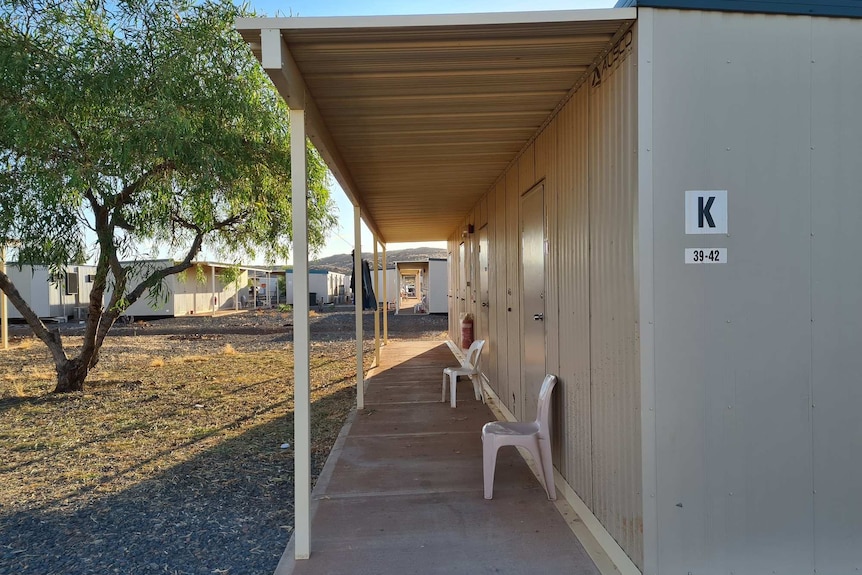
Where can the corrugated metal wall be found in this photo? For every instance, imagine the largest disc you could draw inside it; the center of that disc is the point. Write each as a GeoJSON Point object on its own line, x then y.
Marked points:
{"type": "Point", "coordinates": [614, 350]}
{"type": "Point", "coordinates": [510, 250]}
{"type": "Point", "coordinates": [499, 340]}
{"type": "Point", "coordinates": [574, 300]}
{"type": "Point", "coordinates": [586, 157]}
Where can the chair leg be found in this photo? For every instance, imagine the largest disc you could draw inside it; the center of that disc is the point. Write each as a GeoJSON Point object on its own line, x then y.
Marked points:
{"type": "Point", "coordinates": [443, 399]}
{"type": "Point", "coordinates": [477, 393]}
{"type": "Point", "coordinates": [536, 452]}
{"type": "Point", "coordinates": [453, 379]}
{"type": "Point", "coordinates": [547, 464]}
{"type": "Point", "coordinates": [489, 464]}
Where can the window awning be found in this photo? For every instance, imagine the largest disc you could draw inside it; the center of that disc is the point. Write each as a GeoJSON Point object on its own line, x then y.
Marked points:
{"type": "Point", "coordinates": [417, 116]}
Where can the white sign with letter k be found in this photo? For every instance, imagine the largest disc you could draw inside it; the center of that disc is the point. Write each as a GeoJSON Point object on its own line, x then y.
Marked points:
{"type": "Point", "coordinates": [706, 212]}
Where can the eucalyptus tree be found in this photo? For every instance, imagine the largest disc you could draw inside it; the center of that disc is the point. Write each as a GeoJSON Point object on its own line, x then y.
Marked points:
{"type": "Point", "coordinates": [137, 123]}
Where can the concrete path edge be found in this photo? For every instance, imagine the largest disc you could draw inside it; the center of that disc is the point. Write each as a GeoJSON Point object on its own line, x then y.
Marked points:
{"type": "Point", "coordinates": [288, 559]}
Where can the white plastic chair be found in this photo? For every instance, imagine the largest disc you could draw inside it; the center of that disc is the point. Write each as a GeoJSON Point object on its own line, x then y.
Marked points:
{"type": "Point", "coordinates": [468, 368]}
{"type": "Point", "coordinates": [535, 436]}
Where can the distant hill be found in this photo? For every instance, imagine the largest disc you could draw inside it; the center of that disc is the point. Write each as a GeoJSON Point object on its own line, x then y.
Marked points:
{"type": "Point", "coordinates": [343, 263]}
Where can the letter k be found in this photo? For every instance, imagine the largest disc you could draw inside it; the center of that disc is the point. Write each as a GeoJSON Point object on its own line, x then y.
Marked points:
{"type": "Point", "coordinates": [703, 212]}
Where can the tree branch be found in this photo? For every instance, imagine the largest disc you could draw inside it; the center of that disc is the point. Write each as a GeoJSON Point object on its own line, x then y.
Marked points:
{"type": "Point", "coordinates": [233, 220]}
{"type": "Point", "coordinates": [113, 312]}
{"type": "Point", "coordinates": [185, 264]}
{"type": "Point", "coordinates": [129, 190]}
{"type": "Point", "coordinates": [158, 275]}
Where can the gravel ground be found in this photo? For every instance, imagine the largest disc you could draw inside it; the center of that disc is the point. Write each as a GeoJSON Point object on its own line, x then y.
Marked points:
{"type": "Point", "coordinates": [330, 324]}
{"type": "Point", "coordinates": [221, 505]}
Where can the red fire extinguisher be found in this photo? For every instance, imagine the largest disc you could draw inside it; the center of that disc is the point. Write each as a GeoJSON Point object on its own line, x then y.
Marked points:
{"type": "Point", "coordinates": [467, 331]}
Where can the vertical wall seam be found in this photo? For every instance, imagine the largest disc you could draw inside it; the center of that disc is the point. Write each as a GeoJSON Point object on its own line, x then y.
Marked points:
{"type": "Point", "coordinates": [811, 240]}
{"type": "Point", "coordinates": [589, 283]}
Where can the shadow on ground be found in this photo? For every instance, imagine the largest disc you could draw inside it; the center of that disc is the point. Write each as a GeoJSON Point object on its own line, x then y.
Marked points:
{"type": "Point", "coordinates": [228, 511]}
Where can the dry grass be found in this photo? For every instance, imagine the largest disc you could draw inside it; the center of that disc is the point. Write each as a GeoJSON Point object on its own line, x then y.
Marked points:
{"type": "Point", "coordinates": [26, 343]}
{"type": "Point", "coordinates": [191, 359]}
{"type": "Point", "coordinates": [41, 375]}
{"type": "Point", "coordinates": [153, 404]}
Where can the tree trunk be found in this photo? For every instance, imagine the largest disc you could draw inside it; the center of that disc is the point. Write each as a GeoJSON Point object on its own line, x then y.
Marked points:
{"type": "Point", "coordinates": [71, 375]}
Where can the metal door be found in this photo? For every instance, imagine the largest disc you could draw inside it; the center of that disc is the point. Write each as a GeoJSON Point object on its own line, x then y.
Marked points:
{"type": "Point", "coordinates": [484, 298]}
{"type": "Point", "coordinates": [532, 296]}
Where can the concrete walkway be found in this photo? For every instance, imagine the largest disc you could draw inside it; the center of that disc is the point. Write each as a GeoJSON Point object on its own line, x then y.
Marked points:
{"type": "Point", "coordinates": [402, 491]}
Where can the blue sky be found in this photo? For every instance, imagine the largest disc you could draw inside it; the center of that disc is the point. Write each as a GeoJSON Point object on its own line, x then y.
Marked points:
{"type": "Point", "coordinates": [378, 7]}
{"type": "Point", "coordinates": [342, 240]}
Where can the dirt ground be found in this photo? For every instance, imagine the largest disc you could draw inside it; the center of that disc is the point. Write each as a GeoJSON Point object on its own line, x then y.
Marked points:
{"type": "Point", "coordinates": [192, 414]}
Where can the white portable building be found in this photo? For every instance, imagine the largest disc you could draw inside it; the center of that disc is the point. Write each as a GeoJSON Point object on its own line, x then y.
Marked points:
{"type": "Point", "coordinates": [64, 296]}
{"type": "Point", "coordinates": [427, 281]}
{"type": "Point", "coordinates": [200, 289]}
{"type": "Point", "coordinates": [655, 202]}
{"type": "Point", "coordinates": [392, 287]}
{"type": "Point", "coordinates": [327, 286]}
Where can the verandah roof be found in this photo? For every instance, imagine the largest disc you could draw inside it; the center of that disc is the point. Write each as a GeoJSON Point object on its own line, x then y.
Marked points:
{"type": "Point", "coordinates": [418, 115]}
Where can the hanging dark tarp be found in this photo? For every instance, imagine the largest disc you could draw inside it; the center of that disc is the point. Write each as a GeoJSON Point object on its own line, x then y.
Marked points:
{"type": "Point", "coordinates": [368, 299]}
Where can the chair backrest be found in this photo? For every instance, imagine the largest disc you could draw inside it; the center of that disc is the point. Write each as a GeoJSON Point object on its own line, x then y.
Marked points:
{"type": "Point", "coordinates": [544, 409]}
{"type": "Point", "coordinates": [473, 353]}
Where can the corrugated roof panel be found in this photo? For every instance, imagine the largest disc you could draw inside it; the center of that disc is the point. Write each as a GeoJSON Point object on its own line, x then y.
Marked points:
{"type": "Point", "coordinates": [427, 112]}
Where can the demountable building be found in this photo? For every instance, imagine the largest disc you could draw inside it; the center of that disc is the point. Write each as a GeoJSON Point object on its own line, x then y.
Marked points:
{"type": "Point", "coordinates": [201, 289]}
{"type": "Point", "coordinates": [326, 286]}
{"type": "Point", "coordinates": [656, 202]}
{"type": "Point", "coordinates": [426, 281]}
{"type": "Point", "coordinates": [61, 296]}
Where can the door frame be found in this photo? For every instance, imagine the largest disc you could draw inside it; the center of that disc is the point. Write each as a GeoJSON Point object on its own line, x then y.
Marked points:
{"type": "Point", "coordinates": [483, 307]}
{"type": "Point", "coordinates": [539, 187]}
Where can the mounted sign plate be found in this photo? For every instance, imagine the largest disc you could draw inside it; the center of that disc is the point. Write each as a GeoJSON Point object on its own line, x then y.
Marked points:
{"type": "Point", "coordinates": [706, 212]}
{"type": "Point", "coordinates": [706, 255]}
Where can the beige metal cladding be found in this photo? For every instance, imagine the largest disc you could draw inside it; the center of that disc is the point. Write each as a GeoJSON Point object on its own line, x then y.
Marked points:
{"type": "Point", "coordinates": [514, 394]}
{"type": "Point", "coordinates": [585, 156]}
{"type": "Point", "coordinates": [614, 328]}
{"type": "Point", "coordinates": [835, 176]}
{"type": "Point", "coordinates": [572, 266]}
{"type": "Point", "coordinates": [546, 155]}
{"type": "Point", "coordinates": [498, 251]}
{"type": "Point", "coordinates": [756, 361]}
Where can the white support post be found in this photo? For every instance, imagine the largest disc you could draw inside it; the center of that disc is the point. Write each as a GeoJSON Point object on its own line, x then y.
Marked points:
{"type": "Point", "coordinates": [213, 299]}
{"type": "Point", "coordinates": [377, 305]}
{"type": "Point", "coordinates": [4, 311]}
{"type": "Point", "coordinates": [357, 301]}
{"type": "Point", "coordinates": [301, 347]}
{"type": "Point", "coordinates": [397, 289]}
{"type": "Point", "coordinates": [385, 301]}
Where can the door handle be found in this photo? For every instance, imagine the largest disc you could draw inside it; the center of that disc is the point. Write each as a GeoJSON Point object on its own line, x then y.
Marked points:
{"type": "Point", "coordinates": [539, 317]}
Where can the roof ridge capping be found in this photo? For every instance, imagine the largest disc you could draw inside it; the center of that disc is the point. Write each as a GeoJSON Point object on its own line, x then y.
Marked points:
{"type": "Point", "coordinates": [834, 8]}
{"type": "Point", "coordinates": [420, 20]}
